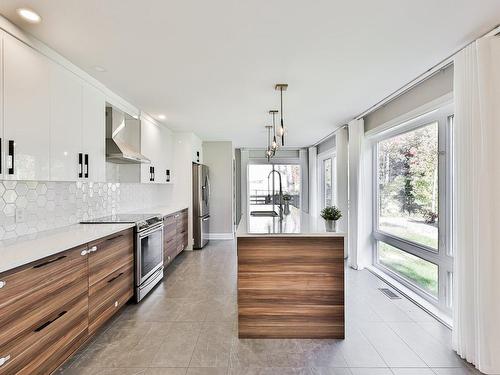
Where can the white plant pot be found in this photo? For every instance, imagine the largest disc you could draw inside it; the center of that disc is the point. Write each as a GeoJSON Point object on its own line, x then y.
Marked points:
{"type": "Point", "coordinates": [330, 225]}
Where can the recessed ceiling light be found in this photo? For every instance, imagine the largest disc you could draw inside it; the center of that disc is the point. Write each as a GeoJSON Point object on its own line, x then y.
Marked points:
{"type": "Point", "coordinates": [29, 15]}
{"type": "Point", "coordinates": [99, 69]}
{"type": "Point", "coordinates": [162, 117]}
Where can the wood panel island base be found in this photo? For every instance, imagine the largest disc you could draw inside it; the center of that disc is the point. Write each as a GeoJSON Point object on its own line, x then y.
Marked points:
{"type": "Point", "coordinates": [290, 286]}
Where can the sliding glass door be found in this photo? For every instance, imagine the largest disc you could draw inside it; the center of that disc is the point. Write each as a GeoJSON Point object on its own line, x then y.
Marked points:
{"type": "Point", "coordinates": [261, 184]}
{"type": "Point", "coordinates": [412, 206]}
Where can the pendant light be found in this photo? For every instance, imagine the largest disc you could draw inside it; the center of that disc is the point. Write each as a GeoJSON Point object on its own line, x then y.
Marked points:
{"type": "Point", "coordinates": [269, 151]}
{"type": "Point", "coordinates": [281, 131]}
{"type": "Point", "coordinates": [274, 143]}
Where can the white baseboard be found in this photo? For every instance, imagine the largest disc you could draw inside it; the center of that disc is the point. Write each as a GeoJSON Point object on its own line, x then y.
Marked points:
{"type": "Point", "coordinates": [220, 236]}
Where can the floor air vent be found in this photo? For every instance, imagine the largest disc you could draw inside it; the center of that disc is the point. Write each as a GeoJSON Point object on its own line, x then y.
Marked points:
{"type": "Point", "coordinates": [389, 293]}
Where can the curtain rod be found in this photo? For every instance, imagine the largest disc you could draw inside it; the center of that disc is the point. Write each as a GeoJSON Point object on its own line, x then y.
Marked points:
{"type": "Point", "coordinates": [329, 134]}
{"type": "Point", "coordinates": [443, 64]}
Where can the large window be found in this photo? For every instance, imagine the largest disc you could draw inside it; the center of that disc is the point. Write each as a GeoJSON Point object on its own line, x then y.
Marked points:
{"type": "Point", "coordinates": [408, 185]}
{"type": "Point", "coordinates": [411, 210]}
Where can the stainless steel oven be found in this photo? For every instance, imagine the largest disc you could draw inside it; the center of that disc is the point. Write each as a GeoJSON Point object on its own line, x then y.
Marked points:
{"type": "Point", "coordinates": [148, 248]}
{"type": "Point", "coordinates": [149, 257]}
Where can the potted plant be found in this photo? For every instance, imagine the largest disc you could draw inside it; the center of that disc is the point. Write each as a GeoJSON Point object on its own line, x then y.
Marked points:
{"type": "Point", "coordinates": [331, 214]}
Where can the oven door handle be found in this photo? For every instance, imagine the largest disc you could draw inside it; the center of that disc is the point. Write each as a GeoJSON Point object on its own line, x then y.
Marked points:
{"type": "Point", "coordinates": [150, 231]}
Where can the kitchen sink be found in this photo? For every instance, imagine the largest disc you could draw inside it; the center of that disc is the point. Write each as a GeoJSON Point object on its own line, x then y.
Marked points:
{"type": "Point", "coordinates": [264, 213]}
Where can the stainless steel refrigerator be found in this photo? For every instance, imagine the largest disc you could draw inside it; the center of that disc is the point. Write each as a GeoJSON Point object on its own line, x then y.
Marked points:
{"type": "Point", "coordinates": [201, 198]}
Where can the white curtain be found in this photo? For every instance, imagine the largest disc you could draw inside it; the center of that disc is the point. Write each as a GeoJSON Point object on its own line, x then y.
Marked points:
{"type": "Point", "coordinates": [341, 181]}
{"type": "Point", "coordinates": [360, 197]}
{"type": "Point", "coordinates": [313, 178]}
{"type": "Point", "coordinates": [476, 301]}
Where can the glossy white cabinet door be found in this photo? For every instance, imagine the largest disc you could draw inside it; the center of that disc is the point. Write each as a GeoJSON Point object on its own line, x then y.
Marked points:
{"type": "Point", "coordinates": [94, 132]}
{"type": "Point", "coordinates": [26, 110]}
{"type": "Point", "coordinates": [2, 143]}
{"type": "Point", "coordinates": [65, 125]}
{"type": "Point", "coordinates": [166, 154]}
{"type": "Point", "coordinates": [150, 145]}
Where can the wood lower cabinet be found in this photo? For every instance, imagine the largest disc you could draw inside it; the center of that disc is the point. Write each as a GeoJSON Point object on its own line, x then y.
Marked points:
{"type": "Point", "coordinates": [111, 276]}
{"type": "Point", "coordinates": [108, 295]}
{"type": "Point", "coordinates": [291, 287]}
{"type": "Point", "coordinates": [50, 307]}
{"type": "Point", "coordinates": [175, 235]}
{"type": "Point", "coordinates": [110, 253]}
{"type": "Point", "coordinates": [43, 313]}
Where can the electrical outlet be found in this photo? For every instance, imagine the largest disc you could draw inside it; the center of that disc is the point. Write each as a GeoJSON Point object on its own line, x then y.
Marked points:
{"type": "Point", "coordinates": [20, 215]}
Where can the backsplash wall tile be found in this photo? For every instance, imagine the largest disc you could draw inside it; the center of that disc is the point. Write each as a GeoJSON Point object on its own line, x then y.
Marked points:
{"type": "Point", "coordinates": [33, 206]}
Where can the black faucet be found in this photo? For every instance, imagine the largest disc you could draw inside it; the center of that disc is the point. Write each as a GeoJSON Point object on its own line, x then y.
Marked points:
{"type": "Point", "coordinates": [281, 192]}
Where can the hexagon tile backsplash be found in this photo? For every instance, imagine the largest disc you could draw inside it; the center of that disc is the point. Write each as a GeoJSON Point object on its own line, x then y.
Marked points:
{"type": "Point", "coordinates": [32, 206]}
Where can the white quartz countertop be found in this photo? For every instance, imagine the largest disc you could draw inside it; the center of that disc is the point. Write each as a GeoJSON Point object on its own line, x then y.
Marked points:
{"type": "Point", "coordinates": [296, 223]}
{"type": "Point", "coordinates": [29, 248]}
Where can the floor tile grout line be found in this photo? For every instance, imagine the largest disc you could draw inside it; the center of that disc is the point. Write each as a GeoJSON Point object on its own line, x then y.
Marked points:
{"type": "Point", "coordinates": [373, 346]}
{"type": "Point", "coordinates": [407, 344]}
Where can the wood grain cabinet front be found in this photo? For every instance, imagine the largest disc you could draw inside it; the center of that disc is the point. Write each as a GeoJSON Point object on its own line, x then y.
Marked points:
{"type": "Point", "coordinates": [43, 313]}
{"type": "Point", "coordinates": [111, 276]}
{"type": "Point", "coordinates": [169, 238]}
{"type": "Point", "coordinates": [108, 295]}
{"type": "Point", "coordinates": [175, 235]}
{"type": "Point", "coordinates": [108, 254]}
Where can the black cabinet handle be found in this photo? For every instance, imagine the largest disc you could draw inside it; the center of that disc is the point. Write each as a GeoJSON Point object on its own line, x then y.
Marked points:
{"type": "Point", "coordinates": [150, 173]}
{"type": "Point", "coordinates": [86, 165]}
{"type": "Point", "coordinates": [80, 165]}
{"type": "Point", "coordinates": [11, 157]}
{"type": "Point", "coordinates": [153, 173]}
{"type": "Point", "coordinates": [1, 155]}
{"type": "Point", "coordinates": [44, 325]}
{"type": "Point", "coordinates": [114, 278]}
{"type": "Point", "coordinates": [114, 237]}
{"type": "Point", "coordinates": [49, 262]}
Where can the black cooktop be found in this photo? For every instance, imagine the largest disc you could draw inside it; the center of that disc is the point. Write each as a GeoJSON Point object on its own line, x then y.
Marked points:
{"type": "Point", "coordinates": [121, 218]}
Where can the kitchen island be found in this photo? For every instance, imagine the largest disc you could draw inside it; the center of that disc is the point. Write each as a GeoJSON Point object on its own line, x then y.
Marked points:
{"type": "Point", "coordinates": [290, 277]}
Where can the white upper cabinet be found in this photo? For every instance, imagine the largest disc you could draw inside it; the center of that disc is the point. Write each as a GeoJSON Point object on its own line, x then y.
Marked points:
{"type": "Point", "coordinates": [26, 112]}
{"type": "Point", "coordinates": [66, 157]}
{"type": "Point", "coordinates": [166, 155]}
{"type": "Point", "coordinates": [150, 148]}
{"type": "Point", "coordinates": [2, 151]}
{"type": "Point", "coordinates": [94, 133]}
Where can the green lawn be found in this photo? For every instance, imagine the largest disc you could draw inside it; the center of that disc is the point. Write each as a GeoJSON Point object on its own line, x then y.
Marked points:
{"type": "Point", "coordinates": [415, 269]}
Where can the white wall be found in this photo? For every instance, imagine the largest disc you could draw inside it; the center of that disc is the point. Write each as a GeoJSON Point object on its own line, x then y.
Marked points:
{"type": "Point", "coordinates": [218, 156]}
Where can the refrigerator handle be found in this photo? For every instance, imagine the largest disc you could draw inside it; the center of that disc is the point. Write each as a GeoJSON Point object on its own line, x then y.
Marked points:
{"type": "Point", "coordinates": [208, 189]}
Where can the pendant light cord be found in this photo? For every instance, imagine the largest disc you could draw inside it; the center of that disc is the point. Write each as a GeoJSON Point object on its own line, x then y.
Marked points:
{"type": "Point", "coordinates": [281, 113]}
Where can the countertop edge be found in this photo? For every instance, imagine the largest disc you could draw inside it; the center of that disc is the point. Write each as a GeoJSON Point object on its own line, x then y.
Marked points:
{"type": "Point", "coordinates": [55, 241]}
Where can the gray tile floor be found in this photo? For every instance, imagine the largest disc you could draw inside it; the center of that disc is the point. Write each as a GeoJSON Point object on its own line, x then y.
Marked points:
{"type": "Point", "coordinates": [188, 326]}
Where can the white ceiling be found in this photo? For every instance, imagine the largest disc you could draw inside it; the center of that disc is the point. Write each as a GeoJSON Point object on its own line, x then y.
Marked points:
{"type": "Point", "coordinates": [210, 66]}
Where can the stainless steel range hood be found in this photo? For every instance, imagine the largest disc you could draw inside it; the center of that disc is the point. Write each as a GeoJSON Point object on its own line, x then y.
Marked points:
{"type": "Point", "coordinates": [123, 138]}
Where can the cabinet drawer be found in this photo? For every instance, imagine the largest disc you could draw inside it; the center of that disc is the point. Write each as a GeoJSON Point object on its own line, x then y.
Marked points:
{"type": "Point", "coordinates": [110, 253]}
{"type": "Point", "coordinates": [167, 220]}
{"type": "Point", "coordinates": [109, 294]}
{"type": "Point", "coordinates": [48, 344]}
{"type": "Point", "coordinates": [40, 278]}
{"type": "Point", "coordinates": [169, 253]}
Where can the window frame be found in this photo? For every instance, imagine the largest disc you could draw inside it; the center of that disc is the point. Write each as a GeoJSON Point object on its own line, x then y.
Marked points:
{"type": "Point", "coordinates": [442, 256]}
